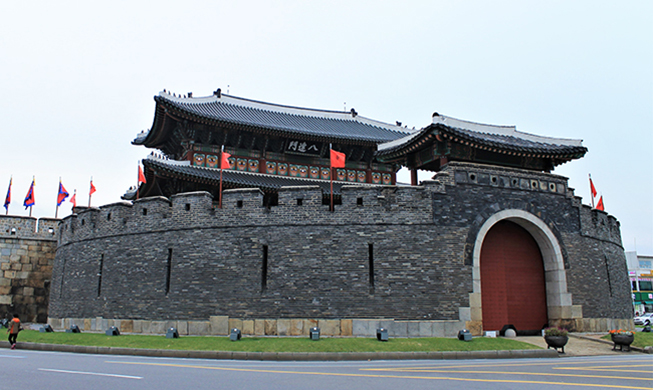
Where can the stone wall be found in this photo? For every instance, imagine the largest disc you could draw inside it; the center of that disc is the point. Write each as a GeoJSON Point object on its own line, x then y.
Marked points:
{"type": "Point", "coordinates": [401, 254]}
{"type": "Point", "coordinates": [27, 250]}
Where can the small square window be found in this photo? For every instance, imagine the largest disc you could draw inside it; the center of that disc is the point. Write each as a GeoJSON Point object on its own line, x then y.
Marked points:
{"type": "Point", "coordinates": [239, 204]}
{"type": "Point", "coordinates": [300, 201]}
{"type": "Point", "coordinates": [359, 201]}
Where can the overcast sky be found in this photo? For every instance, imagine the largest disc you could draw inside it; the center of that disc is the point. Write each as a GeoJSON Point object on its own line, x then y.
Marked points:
{"type": "Point", "coordinates": [77, 80]}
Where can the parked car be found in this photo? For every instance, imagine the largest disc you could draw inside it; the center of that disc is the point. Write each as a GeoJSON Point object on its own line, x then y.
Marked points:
{"type": "Point", "coordinates": [644, 319]}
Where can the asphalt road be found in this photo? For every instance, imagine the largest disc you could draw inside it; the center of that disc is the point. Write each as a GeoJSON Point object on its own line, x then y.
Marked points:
{"type": "Point", "coordinates": [21, 369]}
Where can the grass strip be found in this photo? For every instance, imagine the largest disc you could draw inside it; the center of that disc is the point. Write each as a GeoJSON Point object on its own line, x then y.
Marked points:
{"type": "Point", "coordinates": [275, 344]}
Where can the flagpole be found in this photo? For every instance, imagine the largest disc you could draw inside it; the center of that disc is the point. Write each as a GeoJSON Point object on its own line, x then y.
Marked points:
{"type": "Point", "coordinates": [221, 169]}
{"type": "Point", "coordinates": [90, 193]}
{"type": "Point", "coordinates": [331, 176]}
{"type": "Point", "coordinates": [591, 193]}
{"type": "Point", "coordinates": [138, 179]}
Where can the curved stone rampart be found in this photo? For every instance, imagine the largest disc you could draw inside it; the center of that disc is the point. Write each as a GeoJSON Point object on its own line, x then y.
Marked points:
{"type": "Point", "coordinates": [387, 253]}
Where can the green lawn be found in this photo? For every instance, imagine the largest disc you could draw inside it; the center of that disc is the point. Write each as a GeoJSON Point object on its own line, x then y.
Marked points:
{"type": "Point", "coordinates": [274, 344]}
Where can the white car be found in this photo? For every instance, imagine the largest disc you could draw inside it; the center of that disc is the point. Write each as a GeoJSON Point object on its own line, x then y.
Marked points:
{"type": "Point", "coordinates": [644, 319]}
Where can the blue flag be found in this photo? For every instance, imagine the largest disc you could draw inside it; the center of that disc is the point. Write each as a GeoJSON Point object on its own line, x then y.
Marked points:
{"type": "Point", "coordinates": [8, 198]}
{"type": "Point", "coordinates": [63, 194]}
{"type": "Point", "coordinates": [29, 199]}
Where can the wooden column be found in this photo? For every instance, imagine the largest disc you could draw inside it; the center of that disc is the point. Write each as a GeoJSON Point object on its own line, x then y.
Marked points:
{"type": "Point", "coordinates": [413, 177]}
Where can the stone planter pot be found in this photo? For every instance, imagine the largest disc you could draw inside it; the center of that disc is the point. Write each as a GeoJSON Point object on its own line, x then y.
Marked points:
{"type": "Point", "coordinates": [556, 342]}
{"type": "Point", "coordinates": [622, 340]}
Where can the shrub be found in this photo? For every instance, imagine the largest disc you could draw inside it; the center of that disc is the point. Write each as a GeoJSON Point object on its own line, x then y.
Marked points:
{"type": "Point", "coordinates": [555, 331]}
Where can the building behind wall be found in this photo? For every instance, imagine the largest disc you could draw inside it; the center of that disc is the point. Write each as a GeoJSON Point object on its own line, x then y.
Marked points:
{"type": "Point", "coordinates": [273, 258]}
{"type": "Point", "coordinates": [640, 270]}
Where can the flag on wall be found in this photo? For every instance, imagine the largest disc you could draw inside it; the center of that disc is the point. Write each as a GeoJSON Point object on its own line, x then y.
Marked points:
{"type": "Point", "coordinates": [599, 206]}
{"type": "Point", "coordinates": [29, 198]}
{"type": "Point", "coordinates": [141, 176]}
{"type": "Point", "coordinates": [92, 190]}
{"type": "Point", "coordinates": [337, 159]}
{"type": "Point", "coordinates": [8, 198]}
{"type": "Point", "coordinates": [62, 195]}
{"type": "Point", "coordinates": [73, 199]}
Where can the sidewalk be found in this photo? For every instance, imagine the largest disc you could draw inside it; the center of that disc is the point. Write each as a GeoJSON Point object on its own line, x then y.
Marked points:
{"type": "Point", "coordinates": [581, 344]}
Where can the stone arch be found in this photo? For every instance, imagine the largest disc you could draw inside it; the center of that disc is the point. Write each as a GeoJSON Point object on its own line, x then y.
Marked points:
{"type": "Point", "coordinates": [559, 302]}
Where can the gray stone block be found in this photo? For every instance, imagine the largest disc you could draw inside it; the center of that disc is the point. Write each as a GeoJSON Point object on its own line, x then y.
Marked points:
{"type": "Point", "coordinates": [425, 329]}
{"type": "Point", "coordinates": [158, 327]}
{"type": "Point", "coordinates": [413, 328]}
{"type": "Point", "coordinates": [182, 327]}
{"type": "Point", "coordinates": [396, 328]}
{"type": "Point", "coordinates": [201, 328]}
{"type": "Point", "coordinates": [219, 325]}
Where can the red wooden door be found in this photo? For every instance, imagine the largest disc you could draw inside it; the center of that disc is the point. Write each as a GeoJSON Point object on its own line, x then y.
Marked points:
{"type": "Point", "coordinates": [513, 287]}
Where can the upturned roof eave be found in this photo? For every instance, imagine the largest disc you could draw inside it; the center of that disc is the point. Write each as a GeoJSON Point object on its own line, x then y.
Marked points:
{"type": "Point", "coordinates": [412, 144]}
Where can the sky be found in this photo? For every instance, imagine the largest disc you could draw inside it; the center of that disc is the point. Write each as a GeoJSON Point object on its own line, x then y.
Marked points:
{"type": "Point", "coordinates": [77, 81]}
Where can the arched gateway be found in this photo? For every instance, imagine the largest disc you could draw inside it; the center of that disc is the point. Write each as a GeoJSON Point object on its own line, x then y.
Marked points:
{"type": "Point", "coordinates": [518, 272]}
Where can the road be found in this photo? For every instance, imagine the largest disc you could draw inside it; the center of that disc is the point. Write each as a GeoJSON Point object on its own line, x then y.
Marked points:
{"type": "Point", "coordinates": [25, 370]}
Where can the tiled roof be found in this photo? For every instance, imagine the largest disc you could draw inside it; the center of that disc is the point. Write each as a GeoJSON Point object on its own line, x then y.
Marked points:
{"type": "Point", "coordinates": [238, 179]}
{"type": "Point", "coordinates": [320, 124]}
{"type": "Point", "coordinates": [499, 138]}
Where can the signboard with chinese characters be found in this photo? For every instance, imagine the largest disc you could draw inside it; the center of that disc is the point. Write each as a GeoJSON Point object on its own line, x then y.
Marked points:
{"type": "Point", "coordinates": [304, 147]}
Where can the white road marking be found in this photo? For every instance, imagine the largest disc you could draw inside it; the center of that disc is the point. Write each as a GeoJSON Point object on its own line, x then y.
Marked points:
{"type": "Point", "coordinates": [91, 373]}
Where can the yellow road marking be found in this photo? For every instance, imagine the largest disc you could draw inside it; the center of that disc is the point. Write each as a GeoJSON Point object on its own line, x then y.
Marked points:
{"type": "Point", "coordinates": [523, 373]}
{"type": "Point", "coordinates": [378, 376]}
{"type": "Point", "coordinates": [650, 371]}
{"type": "Point", "coordinates": [504, 364]}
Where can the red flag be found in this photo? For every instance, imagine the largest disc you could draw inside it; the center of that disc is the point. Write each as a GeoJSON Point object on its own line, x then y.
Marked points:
{"type": "Point", "coordinates": [73, 199]}
{"type": "Point", "coordinates": [337, 159]}
{"type": "Point", "coordinates": [62, 195]}
{"type": "Point", "coordinates": [224, 161]}
{"type": "Point", "coordinates": [592, 188]}
{"type": "Point", "coordinates": [92, 190]}
{"type": "Point", "coordinates": [599, 206]}
{"type": "Point", "coordinates": [29, 198]}
{"type": "Point", "coordinates": [141, 176]}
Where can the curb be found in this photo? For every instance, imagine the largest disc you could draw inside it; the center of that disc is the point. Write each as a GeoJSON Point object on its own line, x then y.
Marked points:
{"type": "Point", "coordinates": [289, 356]}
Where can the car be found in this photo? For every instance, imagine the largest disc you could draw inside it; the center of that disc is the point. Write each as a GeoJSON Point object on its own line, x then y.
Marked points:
{"type": "Point", "coordinates": [644, 319]}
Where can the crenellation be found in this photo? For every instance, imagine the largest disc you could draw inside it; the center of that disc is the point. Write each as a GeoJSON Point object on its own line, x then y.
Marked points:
{"type": "Point", "coordinates": [600, 225]}
{"type": "Point", "coordinates": [16, 227]}
{"type": "Point", "coordinates": [249, 198]}
{"type": "Point", "coordinates": [300, 197]}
